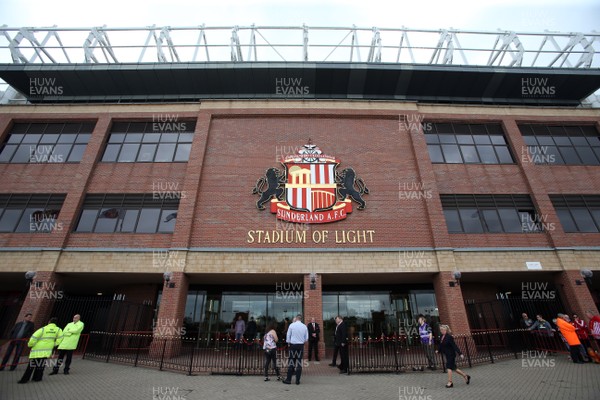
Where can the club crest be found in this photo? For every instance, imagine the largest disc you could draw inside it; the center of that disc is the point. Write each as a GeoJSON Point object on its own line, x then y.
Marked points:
{"type": "Point", "coordinates": [310, 189]}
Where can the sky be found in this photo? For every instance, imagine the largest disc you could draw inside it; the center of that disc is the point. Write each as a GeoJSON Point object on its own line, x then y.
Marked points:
{"type": "Point", "coordinates": [489, 15]}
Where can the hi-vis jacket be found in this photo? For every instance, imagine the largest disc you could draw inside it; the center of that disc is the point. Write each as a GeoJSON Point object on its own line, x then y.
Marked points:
{"type": "Point", "coordinates": [44, 340]}
{"type": "Point", "coordinates": [71, 336]}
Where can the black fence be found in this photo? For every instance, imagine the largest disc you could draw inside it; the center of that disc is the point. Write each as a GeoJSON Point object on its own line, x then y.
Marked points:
{"type": "Point", "coordinates": [386, 354]}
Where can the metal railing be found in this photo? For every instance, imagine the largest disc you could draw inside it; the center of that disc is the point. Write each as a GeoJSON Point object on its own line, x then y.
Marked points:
{"type": "Point", "coordinates": [394, 354]}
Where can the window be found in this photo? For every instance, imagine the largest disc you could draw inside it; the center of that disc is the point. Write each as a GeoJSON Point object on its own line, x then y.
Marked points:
{"type": "Point", "coordinates": [128, 213]}
{"type": "Point", "coordinates": [490, 214]}
{"type": "Point", "coordinates": [30, 213]}
{"type": "Point", "coordinates": [578, 213]}
{"type": "Point", "coordinates": [169, 141]}
{"type": "Point", "coordinates": [467, 144]}
{"type": "Point", "coordinates": [46, 143]}
{"type": "Point", "coordinates": [561, 144]}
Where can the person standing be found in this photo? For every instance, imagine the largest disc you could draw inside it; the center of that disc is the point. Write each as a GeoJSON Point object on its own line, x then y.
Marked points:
{"type": "Point", "coordinates": [449, 349]}
{"type": "Point", "coordinates": [568, 332]}
{"type": "Point", "coordinates": [21, 331]}
{"type": "Point", "coordinates": [239, 329]}
{"type": "Point", "coordinates": [426, 335]}
{"type": "Point", "coordinates": [594, 327]}
{"type": "Point", "coordinates": [526, 322]}
{"type": "Point", "coordinates": [270, 347]}
{"type": "Point", "coordinates": [42, 343]}
{"type": "Point", "coordinates": [313, 339]}
{"type": "Point", "coordinates": [71, 335]}
{"type": "Point", "coordinates": [297, 335]}
{"type": "Point", "coordinates": [341, 343]}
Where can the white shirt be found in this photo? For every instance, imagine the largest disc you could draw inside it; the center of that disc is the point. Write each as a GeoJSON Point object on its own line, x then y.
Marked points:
{"type": "Point", "coordinates": [297, 333]}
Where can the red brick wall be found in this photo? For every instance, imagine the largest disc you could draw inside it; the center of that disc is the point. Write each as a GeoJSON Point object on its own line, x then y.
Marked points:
{"type": "Point", "coordinates": [233, 148]}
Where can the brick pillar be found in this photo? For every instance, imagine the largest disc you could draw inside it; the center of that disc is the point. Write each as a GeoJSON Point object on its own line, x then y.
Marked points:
{"type": "Point", "coordinates": [313, 307]}
{"type": "Point", "coordinates": [45, 289]}
{"type": "Point", "coordinates": [450, 303]}
{"type": "Point", "coordinates": [170, 315]}
{"type": "Point", "coordinates": [576, 298]}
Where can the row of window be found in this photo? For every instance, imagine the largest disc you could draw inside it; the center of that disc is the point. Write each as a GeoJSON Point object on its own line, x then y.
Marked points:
{"type": "Point", "coordinates": [149, 213]}
{"type": "Point", "coordinates": [171, 141]}
{"type": "Point", "coordinates": [101, 213]}
{"type": "Point", "coordinates": [127, 142]}
{"type": "Point", "coordinates": [451, 143]}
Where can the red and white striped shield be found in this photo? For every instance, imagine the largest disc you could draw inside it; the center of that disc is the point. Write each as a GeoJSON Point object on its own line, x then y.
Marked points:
{"type": "Point", "coordinates": [311, 186]}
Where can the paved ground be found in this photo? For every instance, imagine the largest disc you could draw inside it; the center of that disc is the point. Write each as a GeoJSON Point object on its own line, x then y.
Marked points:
{"type": "Point", "coordinates": [547, 379]}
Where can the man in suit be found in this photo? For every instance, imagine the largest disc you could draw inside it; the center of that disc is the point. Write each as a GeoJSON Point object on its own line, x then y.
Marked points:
{"type": "Point", "coordinates": [22, 330]}
{"type": "Point", "coordinates": [313, 339]}
{"type": "Point", "coordinates": [341, 343]}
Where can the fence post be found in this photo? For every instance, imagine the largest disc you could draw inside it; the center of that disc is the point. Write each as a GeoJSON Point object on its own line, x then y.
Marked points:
{"type": "Point", "coordinates": [489, 348]}
{"type": "Point", "coordinates": [468, 352]}
{"type": "Point", "coordinates": [162, 357]}
{"type": "Point", "coordinates": [192, 360]}
{"type": "Point", "coordinates": [110, 346]}
{"type": "Point", "coordinates": [395, 347]}
{"type": "Point", "coordinates": [137, 352]}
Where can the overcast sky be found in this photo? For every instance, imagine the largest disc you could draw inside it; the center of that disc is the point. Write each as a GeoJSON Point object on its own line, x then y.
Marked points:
{"type": "Point", "coordinates": [519, 15]}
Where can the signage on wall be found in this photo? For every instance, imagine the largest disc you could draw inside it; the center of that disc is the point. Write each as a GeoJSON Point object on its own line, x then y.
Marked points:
{"type": "Point", "coordinates": [310, 190]}
{"type": "Point", "coordinates": [533, 265]}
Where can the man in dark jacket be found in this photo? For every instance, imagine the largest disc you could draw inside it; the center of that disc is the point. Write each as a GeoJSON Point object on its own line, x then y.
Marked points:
{"type": "Point", "coordinates": [21, 331]}
{"type": "Point", "coordinates": [313, 339]}
{"type": "Point", "coordinates": [341, 343]}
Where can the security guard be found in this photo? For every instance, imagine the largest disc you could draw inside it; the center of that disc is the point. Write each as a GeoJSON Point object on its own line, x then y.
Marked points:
{"type": "Point", "coordinates": [71, 337]}
{"type": "Point", "coordinates": [42, 343]}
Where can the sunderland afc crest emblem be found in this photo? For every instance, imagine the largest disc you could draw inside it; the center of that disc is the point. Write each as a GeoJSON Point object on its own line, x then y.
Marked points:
{"type": "Point", "coordinates": [310, 189]}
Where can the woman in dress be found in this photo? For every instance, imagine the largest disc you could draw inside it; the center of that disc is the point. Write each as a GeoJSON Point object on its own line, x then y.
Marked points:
{"type": "Point", "coordinates": [449, 349]}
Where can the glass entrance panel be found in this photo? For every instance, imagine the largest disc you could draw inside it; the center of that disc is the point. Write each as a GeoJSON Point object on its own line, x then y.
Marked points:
{"type": "Point", "coordinates": [371, 314]}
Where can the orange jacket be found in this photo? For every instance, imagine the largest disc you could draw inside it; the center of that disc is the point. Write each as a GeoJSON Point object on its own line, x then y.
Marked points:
{"type": "Point", "coordinates": [568, 331]}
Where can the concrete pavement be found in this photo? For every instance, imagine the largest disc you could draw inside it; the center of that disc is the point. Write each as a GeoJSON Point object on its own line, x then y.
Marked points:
{"type": "Point", "coordinates": [547, 378]}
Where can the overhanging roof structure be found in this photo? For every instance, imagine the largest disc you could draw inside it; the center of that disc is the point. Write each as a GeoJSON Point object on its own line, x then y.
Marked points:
{"type": "Point", "coordinates": [157, 64]}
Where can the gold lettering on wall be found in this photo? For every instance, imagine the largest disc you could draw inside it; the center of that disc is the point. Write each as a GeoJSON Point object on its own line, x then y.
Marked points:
{"type": "Point", "coordinates": [316, 237]}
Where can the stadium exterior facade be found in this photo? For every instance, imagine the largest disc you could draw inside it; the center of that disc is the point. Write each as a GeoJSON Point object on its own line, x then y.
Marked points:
{"type": "Point", "coordinates": [381, 191]}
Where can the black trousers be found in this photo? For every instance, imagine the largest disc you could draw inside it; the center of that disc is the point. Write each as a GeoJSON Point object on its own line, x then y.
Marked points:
{"type": "Point", "coordinates": [271, 357]}
{"type": "Point", "coordinates": [335, 354]}
{"type": "Point", "coordinates": [61, 356]}
{"type": "Point", "coordinates": [295, 362]}
{"type": "Point", "coordinates": [344, 362]}
{"type": "Point", "coordinates": [17, 345]}
{"type": "Point", "coordinates": [576, 354]}
{"type": "Point", "coordinates": [313, 346]}
{"type": "Point", "coordinates": [35, 366]}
